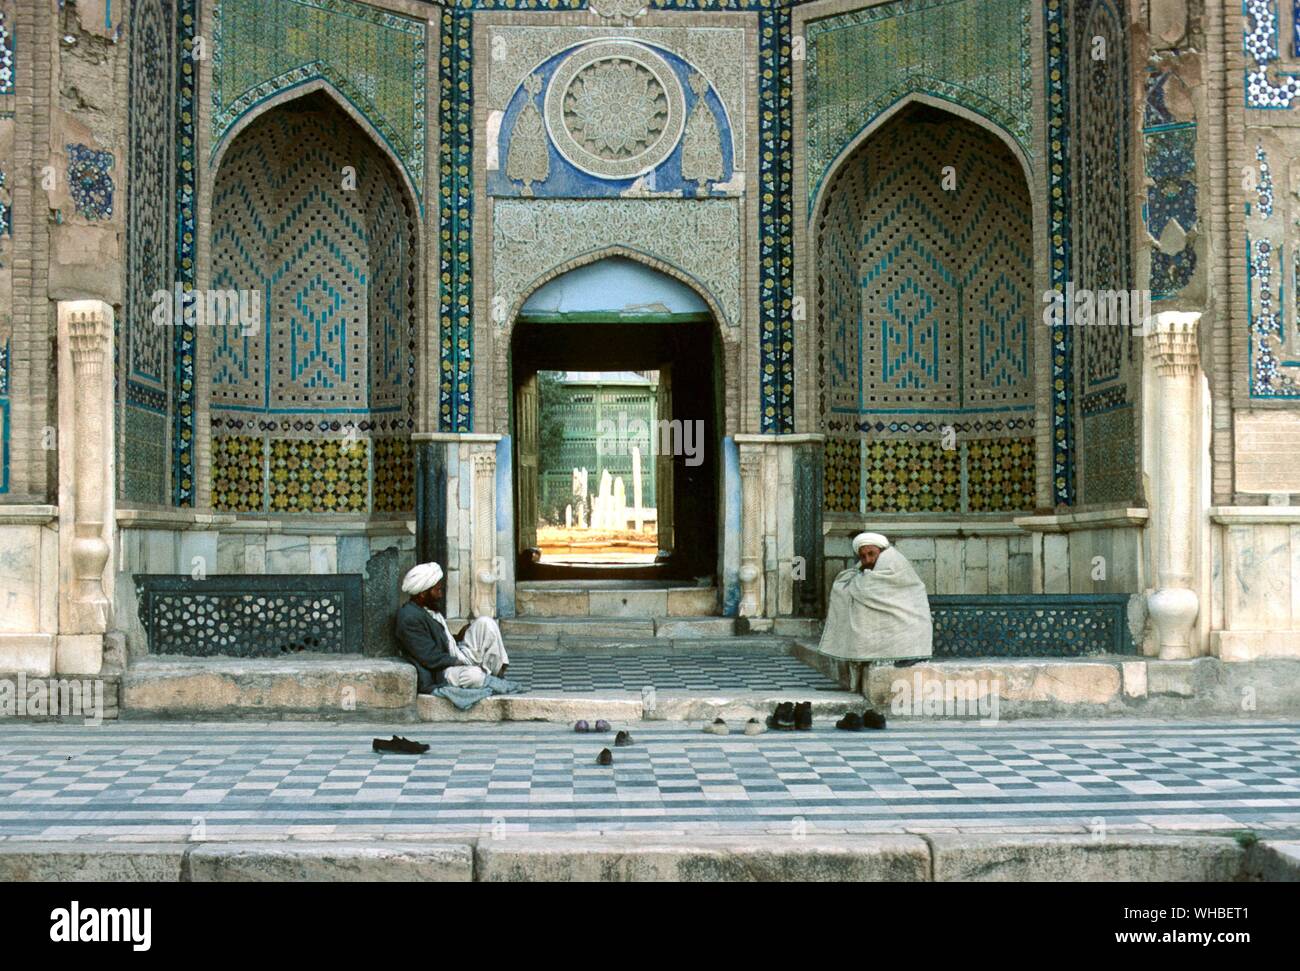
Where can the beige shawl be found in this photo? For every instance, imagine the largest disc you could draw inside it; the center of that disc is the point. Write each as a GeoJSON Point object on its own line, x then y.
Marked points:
{"type": "Point", "coordinates": [881, 613]}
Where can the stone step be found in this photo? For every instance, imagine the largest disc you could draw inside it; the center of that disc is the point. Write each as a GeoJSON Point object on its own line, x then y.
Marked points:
{"type": "Point", "coordinates": [627, 709]}
{"type": "Point", "coordinates": [339, 686]}
{"type": "Point", "coordinates": [599, 599]}
{"type": "Point", "coordinates": [565, 628]}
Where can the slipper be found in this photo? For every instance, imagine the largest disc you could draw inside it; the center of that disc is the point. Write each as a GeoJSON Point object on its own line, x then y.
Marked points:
{"type": "Point", "coordinates": [873, 719]}
{"type": "Point", "coordinates": [754, 727]}
{"type": "Point", "coordinates": [623, 738]}
{"type": "Point", "coordinates": [602, 725]}
{"type": "Point", "coordinates": [606, 757]}
{"type": "Point", "coordinates": [850, 722]}
{"type": "Point", "coordinates": [581, 726]}
{"type": "Point", "coordinates": [783, 718]}
{"type": "Point", "coordinates": [718, 727]}
{"type": "Point", "coordinates": [403, 746]}
{"type": "Point", "coordinates": [803, 716]}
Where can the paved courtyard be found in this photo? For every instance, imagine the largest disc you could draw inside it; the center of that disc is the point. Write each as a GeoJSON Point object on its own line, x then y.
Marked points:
{"type": "Point", "coordinates": [179, 781]}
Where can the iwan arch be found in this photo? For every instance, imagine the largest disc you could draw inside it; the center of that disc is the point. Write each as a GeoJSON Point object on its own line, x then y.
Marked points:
{"type": "Point", "coordinates": [863, 205]}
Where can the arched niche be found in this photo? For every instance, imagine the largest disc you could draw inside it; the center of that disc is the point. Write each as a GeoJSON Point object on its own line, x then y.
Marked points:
{"type": "Point", "coordinates": [926, 308]}
{"type": "Point", "coordinates": [312, 403]}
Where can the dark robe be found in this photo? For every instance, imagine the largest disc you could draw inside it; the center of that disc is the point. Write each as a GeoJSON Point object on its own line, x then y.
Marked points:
{"type": "Point", "coordinates": [424, 644]}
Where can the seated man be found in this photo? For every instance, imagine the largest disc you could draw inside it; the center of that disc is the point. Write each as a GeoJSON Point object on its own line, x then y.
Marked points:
{"type": "Point", "coordinates": [878, 609]}
{"type": "Point", "coordinates": [463, 661]}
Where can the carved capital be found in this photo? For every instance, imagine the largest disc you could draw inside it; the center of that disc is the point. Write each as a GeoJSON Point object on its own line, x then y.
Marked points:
{"type": "Point", "coordinates": [1171, 343]}
{"type": "Point", "coordinates": [88, 330]}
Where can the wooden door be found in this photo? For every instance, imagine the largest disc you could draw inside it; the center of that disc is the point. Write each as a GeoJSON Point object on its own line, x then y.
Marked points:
{"type": "Point", "coordinates": [526, 461]}
{"type": "Point", "coordinates": [662, 446]}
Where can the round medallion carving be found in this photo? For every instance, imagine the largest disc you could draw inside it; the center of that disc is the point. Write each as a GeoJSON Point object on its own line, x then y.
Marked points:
{"type": "Point", "coordinates": [615, 110]}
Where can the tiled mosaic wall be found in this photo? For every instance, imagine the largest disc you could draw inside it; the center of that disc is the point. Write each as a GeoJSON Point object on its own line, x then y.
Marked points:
{"type": "Point", "coordinates": [1272, 96]}
{"type": "Point", "coordinates": [144, 349]}
{"type": "Point", "coordinates": [926, 291]}
{"type": "Point", "coordinates": [975, 53]}
{"type": "Point", "coordinates": [311, 221]}
{"type": "Point", "coordinates": [1105, 364]}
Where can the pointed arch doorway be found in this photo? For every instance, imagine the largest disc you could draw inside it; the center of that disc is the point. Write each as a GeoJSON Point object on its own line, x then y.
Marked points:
{"type": "Point", "coordinates": [630, 358]}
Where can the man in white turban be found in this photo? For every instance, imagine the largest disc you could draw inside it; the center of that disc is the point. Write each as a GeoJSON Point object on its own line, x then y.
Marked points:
{"type": "Point", "coordinates": [878, 607]}
{"type": "Point", "coordinates": [462, 661]}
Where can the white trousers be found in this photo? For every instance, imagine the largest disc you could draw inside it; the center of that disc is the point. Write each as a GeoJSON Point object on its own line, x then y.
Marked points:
{"type": "Point", "coordinates": [486, 650]}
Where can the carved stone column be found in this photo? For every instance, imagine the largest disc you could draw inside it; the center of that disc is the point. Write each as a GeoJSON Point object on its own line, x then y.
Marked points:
{"type": "Point", "coordinates": [1172, 355]}
{"type": "Point", "coordinates": [483, 587]}
{"type": "Point", "coordinates": [751, 543]}
{"type": "Point", "coordinates": [86, 507]}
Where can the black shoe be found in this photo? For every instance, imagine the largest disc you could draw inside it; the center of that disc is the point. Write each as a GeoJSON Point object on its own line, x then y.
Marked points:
{"type": "Point", "coordinates": [783, 718]}
{"type": "Point", "coordinates": [873, 719]}
{"type": "Point", "coordinates": [850, 723]}
{"type": "Point", "coordinates": [803, 716]}
{"type": "Point", "coordinates": [622, 738]}
{"type": "Point", "coordinates": [403, 746]}
{"type": "Point", "coordinates": [606, 757]}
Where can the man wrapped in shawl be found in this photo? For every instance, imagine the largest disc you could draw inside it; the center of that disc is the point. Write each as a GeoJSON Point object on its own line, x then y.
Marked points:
{"type": "Point", "coordinates": [878, 608]}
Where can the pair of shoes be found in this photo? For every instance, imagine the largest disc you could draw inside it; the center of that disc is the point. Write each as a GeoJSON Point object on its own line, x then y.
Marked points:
{"type": "Point", "coordinates": [717, 727]}
{"type": "Point", "coordinates": [754, 727]}
{"type": "Point", "coordinates": [623, 738]}
{"type": "Point", "coordinates": [582, 726]}
{"type": "Point", "coordinates": [791, 717]}
{"type": "Point", "coordinates": [852, 722]}
{"type": "Point", "coordinates": [398, 744]}
{"type": "Point", "coordinates": [606, 757]}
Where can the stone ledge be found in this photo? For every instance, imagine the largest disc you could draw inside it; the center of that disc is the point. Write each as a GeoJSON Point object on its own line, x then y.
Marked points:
{"type": "Point", "coordinates": [690, 859]}
{"type": "Point", "coordinates": [333, 862]}
{"type": "Point", "coordinates": [947, 857]}
{"type": "Point", "coordinates": [41, 861]}
{"type": "Point", "coordinates": [326, 687]}
{"type": "Point", "coordinates": [1068, 858]}
{"type": "Point", "coordinates": [735, 708]}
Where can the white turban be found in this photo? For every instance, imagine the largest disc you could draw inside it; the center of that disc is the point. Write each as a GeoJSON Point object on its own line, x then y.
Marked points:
{"type": "Point", "coordinates": [420, 578]}
{"type": "Point", "coordinates": [869, 539]}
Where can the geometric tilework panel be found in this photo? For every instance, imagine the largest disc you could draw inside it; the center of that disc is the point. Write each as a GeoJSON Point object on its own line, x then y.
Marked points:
{"type": "Point", "coordinates": [314, 476]}
{"type": "Point", "coordinates": [251, 616]}
{"type": "Point", "coordinates": [1107, 457]}
{"type": "Point", "coordinates": [906, 475]}
{"type": "Point", "coordinates": [374, 58]}
{"type": "Point", "coordinates": [928, 287]}
{"type": "Point", "coordinates": [843, 463]}
{"type": "Point", "coordinates": [975, 53]}
{"type": "Point", "coordinates": [1105, 365]}
{"type": "Point", "coordinates": [144, 455]}
{"type": "Point", "coordinates": [394, 464]}
{"type": "Point", "coordinates": [309, 215]}
{"type": "Point", "coordinates": [1000, 475]}
{"type": "Point", "coordinates": [1040, 625]}
{"type": "Point", "coordinates": [238, 473]}
{"type": "Point", "coordinates": [145, 349]}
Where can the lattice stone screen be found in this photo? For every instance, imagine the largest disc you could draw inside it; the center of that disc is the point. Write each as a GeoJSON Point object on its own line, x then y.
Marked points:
{"type": "Point", "coordinates": [1041, 625]}
{"type": "Point", "coordinates": [251, 616]}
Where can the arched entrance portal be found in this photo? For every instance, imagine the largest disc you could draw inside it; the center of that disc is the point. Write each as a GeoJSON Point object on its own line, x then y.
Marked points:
{"type": "Point", "coordinates": [609, 358]}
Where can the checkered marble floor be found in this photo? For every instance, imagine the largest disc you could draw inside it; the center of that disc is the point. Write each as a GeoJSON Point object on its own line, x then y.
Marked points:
{"type": "Point", "coordinates": [181, 781]}
{"type": "Point", "coordinates": [702, 670]}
